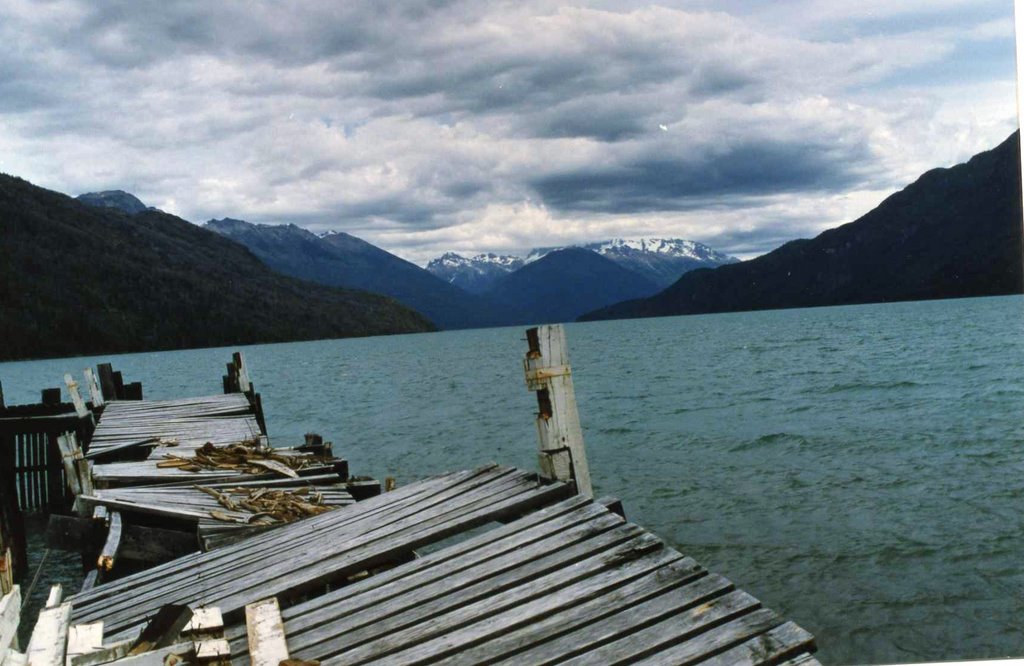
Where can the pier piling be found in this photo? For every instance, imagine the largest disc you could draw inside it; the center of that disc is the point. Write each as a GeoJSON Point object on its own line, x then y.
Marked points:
{"type": "Point", "coordinates": [562, 455]}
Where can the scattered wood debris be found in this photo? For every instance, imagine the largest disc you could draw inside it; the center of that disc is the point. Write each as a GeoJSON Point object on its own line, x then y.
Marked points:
{"type": "Point", "coordinates": [267, 505]}
{"type": "Point", "coordinates": [247, 457]}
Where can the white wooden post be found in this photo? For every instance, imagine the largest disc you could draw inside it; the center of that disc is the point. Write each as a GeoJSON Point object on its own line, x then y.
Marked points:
{"type": "Point", "coordinates": [244, 384]}
{"type": "Point", "coordinates": [76, 397]}
{"type": "Point", "coordinates": [562, 455]}
{"type": "Point", "coordinates": [94, 388]}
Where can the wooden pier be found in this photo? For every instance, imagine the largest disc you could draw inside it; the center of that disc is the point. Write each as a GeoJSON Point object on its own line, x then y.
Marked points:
{"type": "Point", "coordinates": [488, 565]}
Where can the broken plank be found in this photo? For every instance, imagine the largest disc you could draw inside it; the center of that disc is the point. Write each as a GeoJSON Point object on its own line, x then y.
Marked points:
{"type": "Point", "coordinates": [179, 653]}
{"type": "Point", "coordinates": [267, 643]}
{"type": "Point", "coordinates": [212, 649]}
{"type": "Point", "coordinates": [84, 639]}
{"type": "Point", "coordinates": [105, 654]}
{"type": "Point", "coordinates": [50, 637]}
{"type": "Point", "coordinates": [55, 596]}
{"type": "Point", "coordinates": [10, 614]}
{"type": "Point", "coordinates": [163, 629]}
{"type": "Point", "coordinates": [110, 547]}
{"type": "Point", "coordinates": [205, 621]}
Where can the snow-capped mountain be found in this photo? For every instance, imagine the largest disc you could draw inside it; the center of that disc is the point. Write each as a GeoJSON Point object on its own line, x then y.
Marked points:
{"type": "Point", "coordinates": [474, 274]}
{"type": "Point", "coordinates": [661, 260]}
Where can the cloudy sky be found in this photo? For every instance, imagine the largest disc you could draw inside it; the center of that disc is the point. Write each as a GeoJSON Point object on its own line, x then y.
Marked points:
{"type": "Point", "coordinates": [434, 125]}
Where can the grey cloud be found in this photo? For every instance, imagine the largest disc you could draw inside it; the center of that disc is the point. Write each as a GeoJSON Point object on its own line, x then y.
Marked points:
{"type": "Point", "coordinates": [462, 106]}
{"type": "Point", "coordinates": [656, 183]}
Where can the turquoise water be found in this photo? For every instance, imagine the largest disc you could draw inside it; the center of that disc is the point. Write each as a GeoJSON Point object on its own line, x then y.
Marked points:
{"type": "Point", "coordinates": [859, 469]}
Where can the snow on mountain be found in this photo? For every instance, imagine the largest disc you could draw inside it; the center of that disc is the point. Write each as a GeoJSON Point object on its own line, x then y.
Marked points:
{"type": "Point", "coordinates": [660, 260]}
{"type": "Point", "coordinates": [474, 274]}
{"type": "Point", "coordinates": [667, 247]}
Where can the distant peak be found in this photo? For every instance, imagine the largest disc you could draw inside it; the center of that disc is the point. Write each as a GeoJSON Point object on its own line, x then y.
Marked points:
{"type": "Point", "coordinates": [118, 199]}
{"type": "Point", "coordinates": [668, 247]}
{"type": "Point", "coordinates": [229, 224]}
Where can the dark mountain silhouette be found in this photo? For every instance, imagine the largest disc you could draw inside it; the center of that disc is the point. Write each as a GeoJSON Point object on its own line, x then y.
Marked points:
{"type": "Point", "coordinates": [953, 233]}
{"type": "Point", "coordinates": [76, 279]}
{"type": "Point", "coordinates": [566, 283]}
{"type": "Point", "coordinates": [342, 260]}
{"type": "Point", "coordinates": [118, 199]}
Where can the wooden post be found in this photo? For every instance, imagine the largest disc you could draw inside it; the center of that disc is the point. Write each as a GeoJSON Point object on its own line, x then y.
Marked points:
{"type": "Point", "coordinates": [76, 398]}
{"type": "Point", "coordinates": [244, 385]}
{"type": "Point", "coordinates": [94, 388]}
{"type": "Point", "coordinates": [2, 405]}
{"type": "Point", "coordinates": [106, 373]}
{"type": "Point", "coordinates": [562, 455]}
{"type": "Point", "coordinates": [118, 380]}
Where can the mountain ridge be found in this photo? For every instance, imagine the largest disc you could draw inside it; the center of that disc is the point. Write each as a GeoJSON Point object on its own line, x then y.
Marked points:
{"type": "Point", "coordinates": [78, 279]}
{"type": "Point", "coordinates": [342, 260]}
{"type": "Point", "coordinates": [564, 284]}
{"type": "Point", "coordinates": [953, 232]}
{"type": "Point", "coordinates": [660, 260]}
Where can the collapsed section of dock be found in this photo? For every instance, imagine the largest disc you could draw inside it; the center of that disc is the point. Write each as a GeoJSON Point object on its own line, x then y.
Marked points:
{"type": "Point", "coordinates": [291, 560]}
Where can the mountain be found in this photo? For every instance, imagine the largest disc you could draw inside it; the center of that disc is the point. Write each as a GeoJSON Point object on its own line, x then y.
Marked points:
{"type": "Point", "coordinates": [473, 274]}
{"type": "Point", "coordinates": [660, 260]}
{"type": "Point", "coordinates": [564, 284]}
{"type": "Point", "coordinates": [954, 232]}
{"type": "Point", "coordinates": [118, 199]}
{"type": "Point", "coordinates": [339, 259]}
{"type": "Point", "coordinates": [75, 280]}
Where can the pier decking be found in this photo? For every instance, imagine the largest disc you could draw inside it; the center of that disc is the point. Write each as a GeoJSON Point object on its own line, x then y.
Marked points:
{"type": "Point", "coordinates": [490, 565]}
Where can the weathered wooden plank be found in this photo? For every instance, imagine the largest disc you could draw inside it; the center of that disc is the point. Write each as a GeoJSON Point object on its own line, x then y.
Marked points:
{"type": "Point", "coordinates": [782, 642]}
{"type": "Point", "coordinates": [370, 516]}
{"type": "Point", "coordinates": [105, 654]}
{"type": "Point", "coordinates": [678, 583]}
{"type": "Point", "coordinates": [267, 643]}
{"type": "Point", "coordinates": [205, 620]}
{"type": "Point", "coordinates": [442, 564]}
{"type": "Point", "coordinates": [50, 636]}
{"type": "Point", "coordinates": [91, 580]}
{"type": "Point", "coordinates": [177, 573]}
{"type": "Point", "coordinates": [162, 630]}
{"type": "Point", "coordinates": [617, 565]}
{"type": "Point", "coordinates": [119, 449]}
{"type": "Point", "coordinates": [238, 585]}
{"type": "Point", "coordinates": [15, 658]}
{"type": "Point", "coordinates": [10, 614]}
{"type": "Point", "coordinates": [84, 639]}
{"type": "Point", "coordinates": [172, 655]}
{"type": "Point", "coordinates": [212, 649]}
{"type": "Point", "coordinates": [410, 601]}
{"type": "Point", "coordinates": [67, 444]}
{"type": "Point", "coordinates": [689, 638]}
{"type": "Point", "coordinates": [108, 554]}
{"type": "Point", "coordinates": [351, 559]}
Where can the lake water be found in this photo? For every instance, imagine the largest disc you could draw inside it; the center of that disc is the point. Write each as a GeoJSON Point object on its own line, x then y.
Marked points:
{"type": "Point", "coordinates": [859, 469]}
